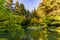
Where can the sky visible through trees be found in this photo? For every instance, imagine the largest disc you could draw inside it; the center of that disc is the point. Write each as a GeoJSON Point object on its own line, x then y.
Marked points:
{"type": "Point", "coordinates": [29, 4]}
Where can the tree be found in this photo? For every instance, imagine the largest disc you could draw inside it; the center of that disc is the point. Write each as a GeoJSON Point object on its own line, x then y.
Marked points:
{"type": "Point", "coordinates": [9, 1]}
{"type": "Point", "coordinates": [10, 24]}
{"type": "Point", "coordinates": [50, 21]}
{"type": "Point", "coordinates": [8, 4]}
{"type": "Point", "coordinates": [17, 7]}
{"type": "Point", "coordinates": [22, 10]}
{"type": "Point", "coordinates": [35, 17]}
{"type": "Point", "coordinates": [27, 13]}
{"type": "Point", "coordinates": [34, 14]}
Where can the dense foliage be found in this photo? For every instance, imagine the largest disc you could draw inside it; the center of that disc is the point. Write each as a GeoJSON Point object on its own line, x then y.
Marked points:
{"type": "Point", "coordinates": [17, 23]}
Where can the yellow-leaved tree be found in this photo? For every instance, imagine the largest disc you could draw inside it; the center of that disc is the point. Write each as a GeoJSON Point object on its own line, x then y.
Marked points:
{"type": "Point", "coordinates": [49, 11]}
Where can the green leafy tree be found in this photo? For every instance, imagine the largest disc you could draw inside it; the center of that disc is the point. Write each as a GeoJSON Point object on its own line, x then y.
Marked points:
{"type": "Point", "coordinates": [27, 13]}
{"type": "Point", "coordinates": [17, 7]}
{"type": "Point", "coordinates": [10, 25]}
{"type": "Point", "coordinates": [22, 9]}
{"type": "Point", "coordinates": [34, 14]}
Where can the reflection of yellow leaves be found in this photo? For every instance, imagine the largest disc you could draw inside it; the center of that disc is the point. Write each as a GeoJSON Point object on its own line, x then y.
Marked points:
{"type": "Point", "coordinates": [58, 28]}
{"type": "Point", "coordinates": [0, 0]}
{"type": "Point", "coordinates": [58, 38]}
{"type": "Point", "coordinates": [58, 31]}
{"type": "Point", "coordinates": [3, 39]}
{"type": "Point", "coordinates": [41, 39]}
